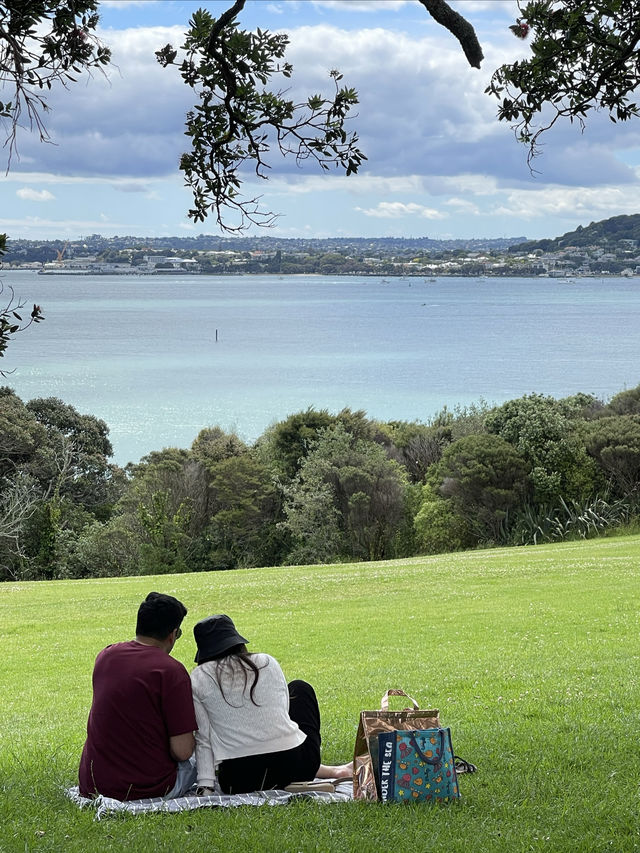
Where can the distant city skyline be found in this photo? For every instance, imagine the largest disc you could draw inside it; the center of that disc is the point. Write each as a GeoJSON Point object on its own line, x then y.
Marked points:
{"type": "Point", "coordinates": [440, 165]}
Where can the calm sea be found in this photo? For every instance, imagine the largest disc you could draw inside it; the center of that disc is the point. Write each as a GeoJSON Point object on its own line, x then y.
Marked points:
{"type": "Point", "coordinates": [159, 358]}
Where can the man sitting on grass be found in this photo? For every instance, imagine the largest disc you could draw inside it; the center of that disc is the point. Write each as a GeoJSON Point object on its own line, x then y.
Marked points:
{"type": "Point", "coordinates": [140, 730]}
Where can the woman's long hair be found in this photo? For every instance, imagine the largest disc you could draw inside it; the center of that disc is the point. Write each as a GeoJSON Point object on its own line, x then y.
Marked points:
{"type": "Point", "coordinates": [233, 660]}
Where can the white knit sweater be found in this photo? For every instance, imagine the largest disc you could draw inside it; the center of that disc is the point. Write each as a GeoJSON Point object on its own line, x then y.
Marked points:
{"type": "Point", "coordinates": [236, 727]}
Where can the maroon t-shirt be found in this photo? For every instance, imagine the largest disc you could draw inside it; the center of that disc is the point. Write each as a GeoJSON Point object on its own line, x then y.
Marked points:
{"type": "Point", "coordinates": [141, 698]}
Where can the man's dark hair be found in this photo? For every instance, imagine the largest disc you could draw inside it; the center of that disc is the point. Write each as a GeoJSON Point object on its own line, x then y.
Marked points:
{"type": "Point", "coordinates": [159, 615]}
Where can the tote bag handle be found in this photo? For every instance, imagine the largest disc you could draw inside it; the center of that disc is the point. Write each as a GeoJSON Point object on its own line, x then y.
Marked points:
{"type": "Point", "coordinates": [384, 702]}
{"type": "Point", "coordinates": [438, 757]}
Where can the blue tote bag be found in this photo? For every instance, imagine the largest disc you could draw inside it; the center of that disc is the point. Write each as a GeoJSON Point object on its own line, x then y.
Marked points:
{"type": "Point", "coordinates": [417, 765]}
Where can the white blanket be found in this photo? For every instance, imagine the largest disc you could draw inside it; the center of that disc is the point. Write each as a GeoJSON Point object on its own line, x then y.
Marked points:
{"type": "Point", "coordinates": [106, 805]}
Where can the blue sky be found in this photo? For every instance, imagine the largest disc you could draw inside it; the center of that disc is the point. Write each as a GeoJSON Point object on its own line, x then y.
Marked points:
{"type": "Point", "coordinates": [440, 165]}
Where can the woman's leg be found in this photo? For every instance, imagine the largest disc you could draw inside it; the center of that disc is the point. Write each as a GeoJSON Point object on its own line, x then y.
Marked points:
{"type": "Point", "coordinates": [242, 775]}
{"type": "Point", "coordinates": [278, 769]}
{"type": "Point", "coordinates": [335, 771]}
{"type": "Point", "coordinates": [304, 710]}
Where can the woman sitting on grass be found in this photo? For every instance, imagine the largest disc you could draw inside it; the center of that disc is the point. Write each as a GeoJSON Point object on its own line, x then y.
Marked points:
{"type": "Point", "coordinates": [257, 730]}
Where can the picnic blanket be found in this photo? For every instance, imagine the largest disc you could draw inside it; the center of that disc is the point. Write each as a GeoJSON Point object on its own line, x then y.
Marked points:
{"type": "Point", "coordinates": [105, 806]}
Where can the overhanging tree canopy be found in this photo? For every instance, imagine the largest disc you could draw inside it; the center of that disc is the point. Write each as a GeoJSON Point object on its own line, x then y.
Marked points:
{"type": "Point", "coordinates": [584, 56]}
{"type": "Point", "coordinates": [44, 43]}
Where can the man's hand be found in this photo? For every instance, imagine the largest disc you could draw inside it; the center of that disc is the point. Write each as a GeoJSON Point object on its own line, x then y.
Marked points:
{"type": "Point", "coordinates": [181, 746]}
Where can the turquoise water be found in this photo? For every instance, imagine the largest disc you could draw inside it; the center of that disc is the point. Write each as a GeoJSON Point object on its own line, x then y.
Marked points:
{"type": "Point", "coordinates": [142, 354]}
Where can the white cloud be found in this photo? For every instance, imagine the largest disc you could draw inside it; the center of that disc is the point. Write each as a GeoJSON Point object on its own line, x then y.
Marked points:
{"type": "Point", "coordinates": [354, 184]}
{"type": "Point", "coordinates": [123, 4]}
{"type": "Point", "coordinates": [363, 184]}
{"type": "Point", "coordinates": [398, 209]}
{"type": "Point", "coordinates": [463, 184]}
{"type": "Point", "coordinates": [474, 7]}
{"type": "Point", "coordinates": [65, 225]}
{"type": "Point", "coordinates": [422, 112]}
{"type": "Point", "coordinates": [29, 194]}
{"type": "Point", "coordinates": [582, 203]}
{"type": "Point", "coordinates": [130, 186]}
{"type": "Point", "coordinates": [462, 205]}
{"type": "Point", "coordinates": [124, 185]}
{"type": "Point", "coordinates": [360, 5]}
{"type": "Point", "coordinates": [468, 8]}
{"type": "Point", "coordinates": [422, 108]}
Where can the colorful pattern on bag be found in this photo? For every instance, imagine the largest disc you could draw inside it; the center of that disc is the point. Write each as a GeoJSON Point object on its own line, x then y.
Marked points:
{"type": "Point", "coordinates": [417, 765]}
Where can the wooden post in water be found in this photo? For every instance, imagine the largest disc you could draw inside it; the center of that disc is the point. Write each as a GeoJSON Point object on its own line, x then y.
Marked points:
{"type": "Point", "coordinates": [216, 336]}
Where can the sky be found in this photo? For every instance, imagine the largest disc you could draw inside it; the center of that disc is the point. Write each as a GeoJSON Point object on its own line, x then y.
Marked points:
{"type": "Point", "coordinates": [439, 163]}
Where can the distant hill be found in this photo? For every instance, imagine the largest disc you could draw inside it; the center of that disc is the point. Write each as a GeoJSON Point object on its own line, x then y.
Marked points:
{"type": "Point", "coordinates": [607, 232]}
{"type": "Point", "coordinates": [212, 242]}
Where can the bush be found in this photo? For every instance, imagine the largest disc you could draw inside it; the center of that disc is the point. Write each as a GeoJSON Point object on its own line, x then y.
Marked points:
{"type": "Point", "coordinates": [102, 550]}
{"type": "Point", "coordinates": [438, 527]}
{"type": "Point", "coordinates": [484, 477]}
{"type": "Point", "coordinates": [570, 520]}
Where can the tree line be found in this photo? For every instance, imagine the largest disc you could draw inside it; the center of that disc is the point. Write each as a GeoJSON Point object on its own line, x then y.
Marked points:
{"type": "Point", "coordinates": [314, 488]}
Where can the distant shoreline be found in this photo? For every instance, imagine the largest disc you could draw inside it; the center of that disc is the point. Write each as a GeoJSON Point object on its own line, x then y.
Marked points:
{"type": "Point", "coordinates": [92, 273]}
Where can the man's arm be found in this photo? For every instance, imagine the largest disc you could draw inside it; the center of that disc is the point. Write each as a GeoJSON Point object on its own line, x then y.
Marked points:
{"type": "Point", "coordinates": [181, 746]}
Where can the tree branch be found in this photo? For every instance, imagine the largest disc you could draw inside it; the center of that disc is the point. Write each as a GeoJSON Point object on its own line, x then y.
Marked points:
{"type": "Point", "coordinates": [458, 26]}
{"type": "Point", "coordinates": [239, 119]}
{"type": "Point", "coordinates": [221, 22]}
{"type": "Point", "coordinates": [584, 57]}
{"type": "Point", "coordinates": [42, 43]}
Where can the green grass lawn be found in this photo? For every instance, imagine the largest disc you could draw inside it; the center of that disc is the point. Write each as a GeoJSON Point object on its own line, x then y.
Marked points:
{"type": "Point", "coordinates": [531, 654]}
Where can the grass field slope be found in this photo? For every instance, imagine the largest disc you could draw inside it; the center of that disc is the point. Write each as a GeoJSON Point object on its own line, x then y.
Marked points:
{"type": "Point", "coordinates": [531, 654]}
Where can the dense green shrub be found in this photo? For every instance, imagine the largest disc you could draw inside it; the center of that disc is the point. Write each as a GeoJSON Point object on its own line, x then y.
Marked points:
{"type": "Point", "coordinates": [111, 549]}
{"type": "Point", "coordinates": [614, 442]}
{"type": "Point", "coordinates": [547, 434]}
{"type": "Point", "coordinates": [484, 477]}
{"type": "Point", "coordinates": [439, 528]}
{"type": "Point", "coordinates": [348, 498]}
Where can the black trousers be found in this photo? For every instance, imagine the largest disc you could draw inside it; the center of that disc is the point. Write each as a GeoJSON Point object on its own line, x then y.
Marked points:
{"type": "Point", "coordinates": [278, 769]}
